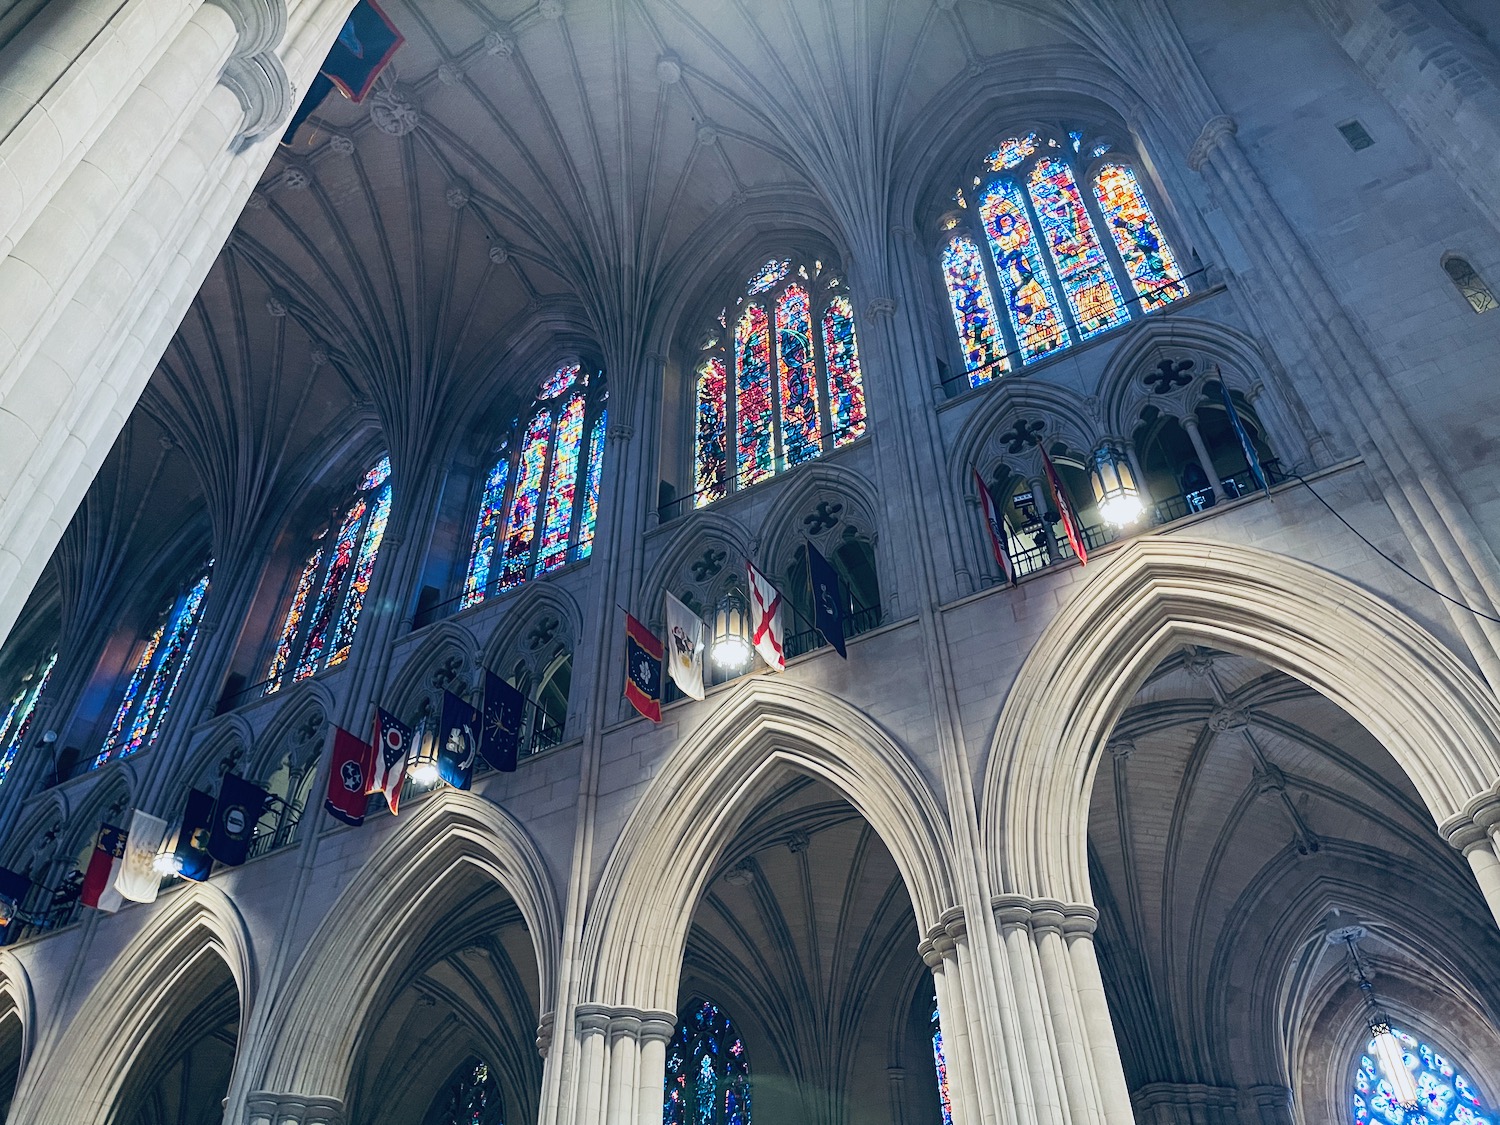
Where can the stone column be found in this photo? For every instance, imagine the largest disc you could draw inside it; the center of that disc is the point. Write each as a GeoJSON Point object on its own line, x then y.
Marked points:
{"type": "Point", "coordinates": [1013, 915]}
{"type": "Point", "coordinates": [1271, 1105]}
{"type": "Point", "coordinates": [622, 1061]}
{"type": "Point", "coordinates": [265, 1108]}
{"type": "Point", "coordinates": [1087, 987]}
{"type": "Point", "coordinates": [1477, 836]}
{"type": "Point", "coordinates": [1190, 424]}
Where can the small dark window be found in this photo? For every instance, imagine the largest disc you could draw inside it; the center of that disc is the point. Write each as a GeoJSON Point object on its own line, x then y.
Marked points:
{"type": "Point", "coordinates": [1470, 284]}
{"type": "Point", "coordinates": [1356, 135]}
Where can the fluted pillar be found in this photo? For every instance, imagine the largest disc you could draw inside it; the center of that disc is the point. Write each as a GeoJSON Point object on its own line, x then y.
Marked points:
{"type": "Point", "coordinates": [293, 1109]}
{"type": "Point", "coordinates": [622, 1062]}
{"type": "Point", "coordinates": [1477, 835]}
{"type": "Point", "coordinates": [1013, 914]}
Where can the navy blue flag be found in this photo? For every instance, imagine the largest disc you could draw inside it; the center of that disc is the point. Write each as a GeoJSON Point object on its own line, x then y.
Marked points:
{"type": "Point", "coordinates": [239, 807]}
{"type": "Point", "coordinates": [193, 860]}
{"type": "Point", "coordinates": [365, 44]}
{"type": "Point", "coordinates": [458, 741]}
{"type": "Point", "coordinates": [1251, 457]}
{"type": "Point", "coordinates": [827, 598]}
{"type": "Point", "coordinates": [13, 885]}
{"type": "Point", "coordinates": [504, 707]}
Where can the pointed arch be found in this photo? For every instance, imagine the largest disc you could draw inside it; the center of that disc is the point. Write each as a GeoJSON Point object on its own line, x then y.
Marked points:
{"type": "Point", "coordinates": [1410, 692]}
{"type": "Point", "coordinates": [782, 528]}
{"type": "Point", "coordinates": [656, 873]}
{"type": "Point", "coordinates": [447, 646]}
{"type": "Point", "coordinates": [382, 911]}
{"type": "Point", "coordinates": [691, 536]}
{"type": "Point", "coordinates": [306, 703]}
{"type": "Point", "coordinates": [229, 736]}
{"type": "Point", "coordinates": [112, 1027]}
{"type": "Point", "coordinates": [526, 610]}
{"type": "Point", "coordinates": [1067, 415]}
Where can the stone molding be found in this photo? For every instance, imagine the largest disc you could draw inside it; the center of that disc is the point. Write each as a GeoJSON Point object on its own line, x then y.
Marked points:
{"type": "Point", "coordinates": [1215, 131]}
{"type": "Point", "coordinates": [266, 1108]}
{"type": "Point", "coordinates": [255, 74]}
{"type": "Point", "coordinates": [644, 1025]}
{"type": "Point", "coordinates": [1042, 915]}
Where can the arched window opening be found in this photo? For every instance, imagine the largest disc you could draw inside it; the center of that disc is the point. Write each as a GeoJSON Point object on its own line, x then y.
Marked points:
{"type": "Point", "coordinates": [154, 678]}
{"type": "Point", "coordinates": [708, 1071]}
{"type": "Point", "coordinates": [540, 501]}
{"type": "Point", "coordinates": [1190, 462]}
{"type": "Point", "coordinates": [853, 557]}
{"type": "Point", "coordinates": [471, 1096]}
{"type": "Point", "coordinates": [1469, 284]}
{"type": "Point", "coordinates": [1445, 1094]}
{"type": "Point", "coordinates": [1040, 205]}
{"type": "Point", "coordinates": [319, 627]}
{"type": "Point", "coordinates": [781, 377]}
{"type": "Point", "coordinates": [289, 787]}
{"type": "Point", "coordinates": [18, 716]}
{"type": "Point", "coordinates": [940, 1061]}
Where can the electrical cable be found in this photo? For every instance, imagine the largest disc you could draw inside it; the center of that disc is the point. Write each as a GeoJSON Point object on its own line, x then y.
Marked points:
{"type": "Point", "coordinates": [1387, 558]}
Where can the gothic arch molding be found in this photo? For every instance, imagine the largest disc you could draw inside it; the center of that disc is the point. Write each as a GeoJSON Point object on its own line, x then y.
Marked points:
{"type": "Point", "coordinates": [381, 911]}
{"type": "Point", "coordinates": [633, 947]}
{"type": "Point", "coordinates": [448, 650]}
{"type": "Point", "coordinates": [536, 601]}
{"type": "Point", "coordinates": [699, 532]}
{"type": "Point", "coordinates": [114, 1024]}
{"type": "Point", "coordinates": [1411, 693]}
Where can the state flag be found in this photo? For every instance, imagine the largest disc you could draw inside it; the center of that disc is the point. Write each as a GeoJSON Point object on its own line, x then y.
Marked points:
{"type": "Point", "coordinates": [504, 708]}
{"type": "Point", "coordinates": [685, 648]}
{"type": "Point", "coordinates": [193, 860]}
{"type": "Point", "coordinates": [393, 745]}
{"type": "Point", "coordinates": [827, 599]}
{"type": "Point", "coordinates": [1071, 526]}
{"type": "Point", "coordinates": [13, 886]}
{"type": "Point", "coordinates": [364, 46]}
{"type": "Point", "coordinates": [995, 522]}
{"type": "Point", "coordinates": [99, 880]}
{"type": "Point", "coordinates": [138, 879]}
{"type": "Point", "coordinates": [643, 659]}
{"type": "Point", "coordinates": [458, 741]}
{"type": "Point", "coordinates": [348, 777]}
{"type": "Point", "coordinates": [236, 813]}
{"type": "Point", "coordinates": [1252, 458]}
{"type": "Point", "coordinates": [767, 628]}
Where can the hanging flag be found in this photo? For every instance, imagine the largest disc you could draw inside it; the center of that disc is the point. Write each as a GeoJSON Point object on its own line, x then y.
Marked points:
{"type": "Point", "coordinates": [193, 861]}
{"type": "Point", "coordinates": [828, 599]}
{"type": "Point", "coordinates": [99, 881]}
{"type": "Point", "coordinates": [13, 886]}
{"type": "Point", "coordinates": [1252, 458]}
{"type": "Point", "coordinates": [504, 708]}
{"type": "Point", "coordinates": [1065, 510]}
{"type": "Point", "coordinates": [393, 743]}
{"type": "Point", "coordinates": [138, 880]}
{"type": "Point", "coordinates": [365, 44]}
{"type": "Point", "coordinates": [235, 815]}
{"type": "Point", "coordinates": [643, 658]}
{"type": "Point", "coordinates": [999, 536]}
{"type": "Point", "coordinates": [685, 648]}
{"type": "Point", "coordinates": [767, 630]}
{"type": "Point", "coordinates": [348, 778]}
{"type": "Point", "coordinates": [458, 741]}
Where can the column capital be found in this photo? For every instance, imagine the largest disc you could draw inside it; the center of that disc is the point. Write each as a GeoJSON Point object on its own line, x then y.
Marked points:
{"type": "Point", "coordinates": [1472, 826]}
{"type": "Point", "coordinates": [880, 307]}
{"type": "Point", "coordinates": [1011, 910]}
{"type": "Point", "coordinates": [544, 1033]}
{"type": "Point", "coordinates": [1213, 134]}
{"type": "Point", "coordinates": [640, 1024]}
{"type": "Point", "coordinates": [266, 1108]}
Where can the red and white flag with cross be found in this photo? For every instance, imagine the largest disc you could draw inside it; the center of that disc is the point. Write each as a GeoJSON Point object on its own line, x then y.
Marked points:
{"type": "Point", "coordinates": [767, 631]}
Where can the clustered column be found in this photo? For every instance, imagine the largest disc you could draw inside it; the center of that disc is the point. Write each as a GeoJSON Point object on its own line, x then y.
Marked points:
{"type": "Point", "coordinates": [622, 1063]}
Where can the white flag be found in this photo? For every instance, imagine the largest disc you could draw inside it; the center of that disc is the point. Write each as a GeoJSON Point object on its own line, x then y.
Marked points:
{"type": "Point", "coordinates": [138, 879]}
{"type": "Point", "coordinates": [685, 647]}
{"type": "Point", "coordinates": [767, 632]}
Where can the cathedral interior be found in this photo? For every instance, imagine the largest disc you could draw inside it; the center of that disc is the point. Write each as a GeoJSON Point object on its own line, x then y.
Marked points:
{"type": "Point", "coordinates": [1131, 367]}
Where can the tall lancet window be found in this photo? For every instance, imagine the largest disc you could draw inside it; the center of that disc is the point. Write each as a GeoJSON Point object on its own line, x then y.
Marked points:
{"type": "Point", "coordinates": [940, 1061]}
{"type": "Point", "coordinates": [1041, 202]}
{"type": "Point", "coordinates": [318, 630]}
{"type": "Point", "coordinates": [540, 500]}
{"type": "Point", "coordinates": [779, 381]}
{"type": "Point", "coordinates": [1445, 1094]}
{"type": "Point", "coordinates": [155, 675]}
{"type": "Point", "coordinates": [17, 716]}
{"type": "Point", "coordinates": [708, 1071]}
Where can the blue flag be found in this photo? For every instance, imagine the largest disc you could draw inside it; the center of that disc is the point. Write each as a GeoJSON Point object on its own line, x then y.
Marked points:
{"type": "Point", "coordinates": [504, 707]}
{"type": "Point", "coordinates": [193, 860]}
{"type": "Point", "coordinates": [828, 599]}
{"type": "Point", "coordinates": [236, 813]}
{"type": "Point", "coordinates": [1251, 457]}
{"type": "Point", "coordinates": [458, 741]}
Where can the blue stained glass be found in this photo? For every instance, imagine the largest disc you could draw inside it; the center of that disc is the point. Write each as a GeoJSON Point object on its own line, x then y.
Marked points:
{"type": "Point", "coordinates": [378, 475]}
{"type": "Point", "coordinates": [752, 360]}
{"type": "Point", "coordinates": [973, 310]}
{"type": "Point", "coordinates": [323, 608]}
{"type": "Point", "coordinates": [708, 1071]}
{"type": "Point", "coordinates": [486, 528]}
{"type": "Point", "coordinates": [1445, 1095]}
{"type": "Point", "coordinates": [359, 584]}
{"type": "Point", "coordinates": [559, 381]}
{"type": "Point", "coordinates": [800, 437]}
{"type": "Point", "coordinates": [18, 716]}
{"type": "Point", "coordinates": [1081, 265]}
{"type": "Point", "coordinates": [524, 505]}
{"type": "Point", "coordinates": [768, 275]}
{"type": "Point", "coordinates": [557, 512]}
{"type": "Point", "coordinates": [590, 518]}
{"type": "Point", "coordinates": [940, 1061]}
{"type": "Point", "coordinates": [1023, 277]}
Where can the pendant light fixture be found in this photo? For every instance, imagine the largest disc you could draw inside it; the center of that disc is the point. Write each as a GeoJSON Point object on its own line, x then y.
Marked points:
{"type": "Point", "coordinates": [1389, 1056]}
{"type": "Point", "coordinates": [731, 647]}
{"type": "Point", "coordinates": [1116, 494]}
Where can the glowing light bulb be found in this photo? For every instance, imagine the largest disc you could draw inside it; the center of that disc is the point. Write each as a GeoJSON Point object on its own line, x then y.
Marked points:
{"type": "Point", "coordinates": [426, 774]}
{"type": "Point", "coordinates": [1392, 1061]}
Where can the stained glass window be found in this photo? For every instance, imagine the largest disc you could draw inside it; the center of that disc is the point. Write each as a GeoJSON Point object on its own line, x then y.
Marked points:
{"type": "Point", "coordinates": [1148, 259]}
{"type": "Point", "coordinates": [335, 581]}
{"type": "Point", "coordinates": [846, 387]}
{"type": "Point", "coordinates": [752, 361]}
{"type": "Point", "coordinates": [1058, 278]}
{"type": "Point", "coordinates": [590, 518]}
{"type": "Point", "coordinates": [472, 1096]}
{"type": "Point", "coordinates": [1445, 1094]}
{"type": "Point", "coordinates": [973, 310]}
{"type": "Point", "coordinates": [486, 528]}
{"type": "Point", "coordinates": [708, 1071]}
{"type": "Point", "coordinates": [148, 693]}
{"type": "Point", "coordinates": [533, 491]}
{"type": "Point", "coordinates": [711, 457]}
{"type": "Point", "coordinates": [768, 275]}
{"type": "Point", "coordinates": [798, 377]}
{"type": "Point", "coordinates": [1081, 265]}
{"type": "Point", "coordinates": [19, 714]}
{"type": "Point", "coordinates": [940, 1061]}
{"type": "Point", "coordinates": [1023, 278]}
